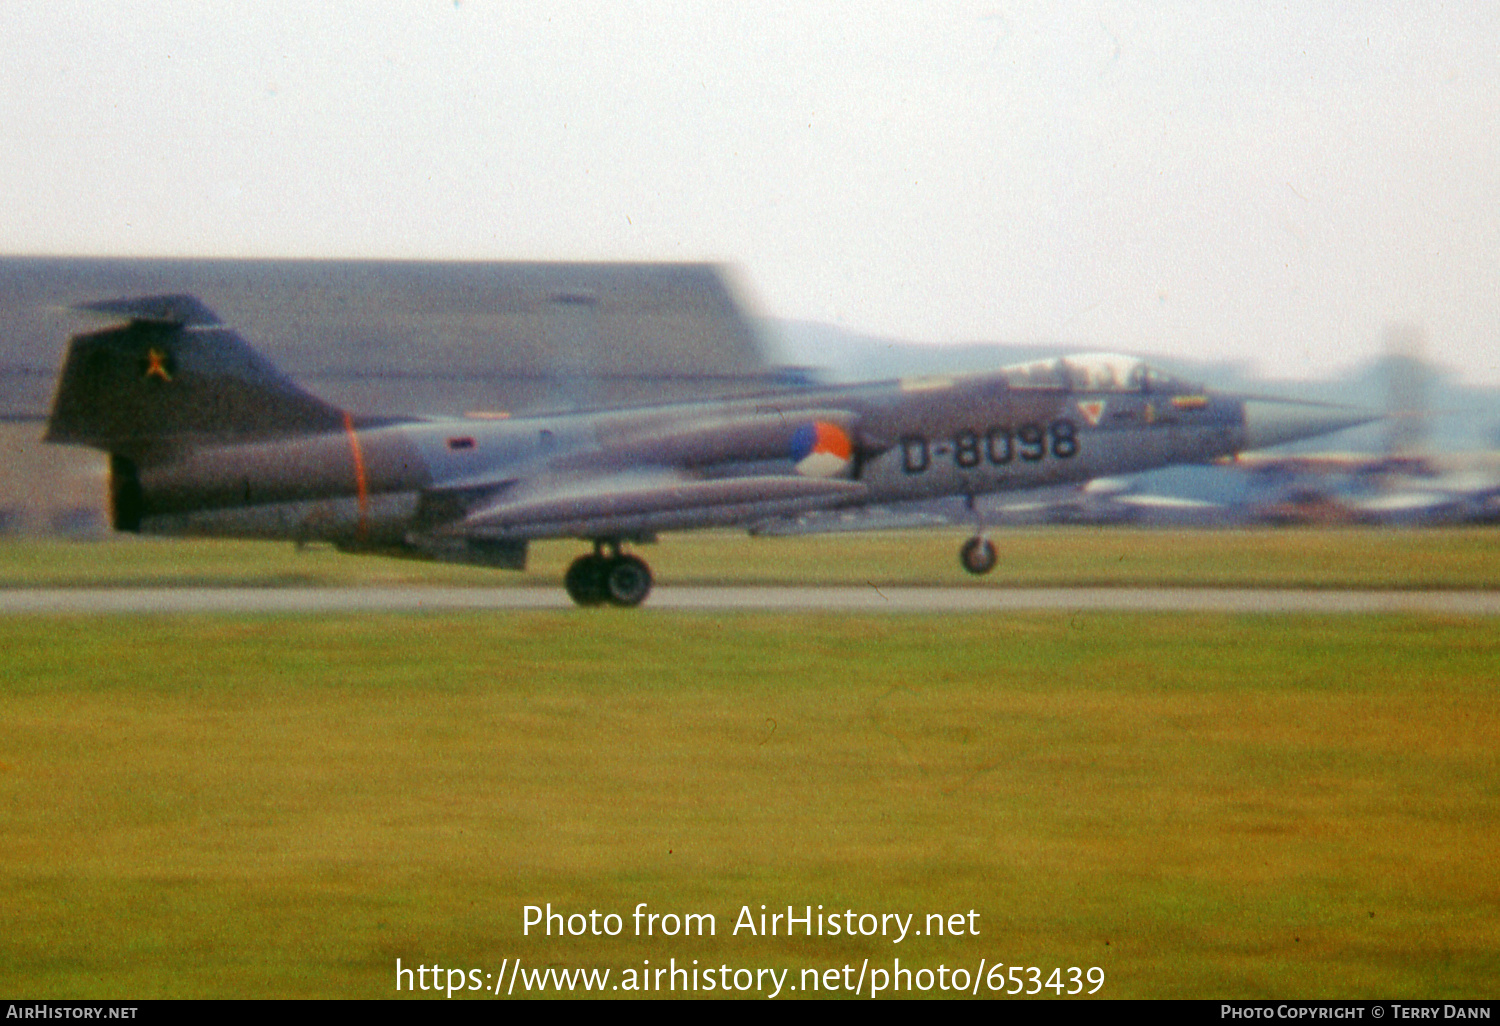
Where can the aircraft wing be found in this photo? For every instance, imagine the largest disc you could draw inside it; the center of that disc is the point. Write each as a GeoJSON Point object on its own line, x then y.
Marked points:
{"type": "Point", "coordinates": [638, 503]}
{"type": "Point", "coordinates": [649, 476]}
{"type": "Point", "coordinates": [896, 516]}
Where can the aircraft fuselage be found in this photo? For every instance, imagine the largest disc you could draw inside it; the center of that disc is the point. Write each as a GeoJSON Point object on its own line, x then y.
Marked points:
{"type": "Point", "coordinates": [207, 438]}
{"type": "Point", "coordinates": [371, 486]}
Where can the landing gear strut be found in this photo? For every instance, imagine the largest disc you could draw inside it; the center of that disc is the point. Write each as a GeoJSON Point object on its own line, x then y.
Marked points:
{"type": "Point", "coordinates": [978, 553]}
{"type": "Point", "coordinates": [607, 575]}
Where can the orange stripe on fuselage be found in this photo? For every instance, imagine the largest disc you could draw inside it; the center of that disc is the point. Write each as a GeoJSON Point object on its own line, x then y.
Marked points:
{"type": "Point", "coordinates": [361, 483]}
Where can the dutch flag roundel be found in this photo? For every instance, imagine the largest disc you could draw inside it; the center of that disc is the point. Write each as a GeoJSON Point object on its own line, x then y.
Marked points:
{"type": "Point", "coordinates": [821, 449]}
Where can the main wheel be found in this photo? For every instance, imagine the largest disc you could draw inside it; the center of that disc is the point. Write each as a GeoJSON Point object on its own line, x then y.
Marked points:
{"type": "Point", "coordinates": [627, 580]}
{"type": "Point", "coordinates": [978, 555]}
{"type": "Point", "coordinates": [585, 580]}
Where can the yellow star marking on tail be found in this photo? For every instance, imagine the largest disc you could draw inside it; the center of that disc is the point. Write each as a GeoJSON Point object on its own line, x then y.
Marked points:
{"type": "Point", "coordinates": [156, 365]}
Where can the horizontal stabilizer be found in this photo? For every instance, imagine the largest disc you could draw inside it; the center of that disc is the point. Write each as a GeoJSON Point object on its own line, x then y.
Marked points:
{"type": "Point", "coordinates": [182, 311]}
{"type": "Point", "coordinates": [173, 376]}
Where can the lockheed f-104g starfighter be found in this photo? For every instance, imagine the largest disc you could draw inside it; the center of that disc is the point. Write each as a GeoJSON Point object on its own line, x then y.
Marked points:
{"type": "Point", "coordinates": [206, 438]}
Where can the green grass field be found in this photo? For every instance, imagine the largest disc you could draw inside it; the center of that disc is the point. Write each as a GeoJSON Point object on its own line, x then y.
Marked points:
{"type": "Point", "coordinates": [1041, 557]}
{"type": "Point", "coordinates": [1202, 806]}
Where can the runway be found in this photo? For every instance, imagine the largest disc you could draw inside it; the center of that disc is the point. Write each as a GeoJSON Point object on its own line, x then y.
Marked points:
{"type": "Point", "coordinates": [301, 601]}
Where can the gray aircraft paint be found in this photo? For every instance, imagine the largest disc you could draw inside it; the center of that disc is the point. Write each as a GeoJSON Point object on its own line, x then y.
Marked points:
{"type": "Point", "coordinates": [208, 438]}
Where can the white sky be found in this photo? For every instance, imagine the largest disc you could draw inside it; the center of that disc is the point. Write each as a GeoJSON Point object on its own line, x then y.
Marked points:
{"type": "Point", "coordinates": [1256, 181]}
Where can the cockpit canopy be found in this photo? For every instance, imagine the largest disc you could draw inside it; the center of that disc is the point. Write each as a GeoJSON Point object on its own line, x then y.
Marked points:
{"type": "Point", "coordinates": [1095, 372]}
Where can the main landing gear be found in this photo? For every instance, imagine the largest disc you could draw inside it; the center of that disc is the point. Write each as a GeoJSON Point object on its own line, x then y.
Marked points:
{"type": "Point", "coordinates": [608, 575]}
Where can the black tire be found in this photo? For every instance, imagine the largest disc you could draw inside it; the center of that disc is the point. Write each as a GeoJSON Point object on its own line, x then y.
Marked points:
{"type": "Point", "coordinates": [978, 555]}
{"type": "Point", "coordinates": [585, 580]}
{"type": "Point", "coordinates": [627, 581]}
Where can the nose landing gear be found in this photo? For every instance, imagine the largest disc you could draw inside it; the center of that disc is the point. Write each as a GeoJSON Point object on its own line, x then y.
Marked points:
{"type": "Point", "coordinates": [607, 575]}
{"type": "Point", "coordinates": [978, 553]}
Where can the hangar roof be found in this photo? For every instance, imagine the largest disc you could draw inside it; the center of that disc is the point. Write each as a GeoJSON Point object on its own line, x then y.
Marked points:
{"type": "Point", "coordinates": [408, 337]}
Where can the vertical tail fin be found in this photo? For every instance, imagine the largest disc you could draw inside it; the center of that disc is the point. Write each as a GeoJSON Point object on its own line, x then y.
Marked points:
{"type": "Point", "coordinates": [172, 376]}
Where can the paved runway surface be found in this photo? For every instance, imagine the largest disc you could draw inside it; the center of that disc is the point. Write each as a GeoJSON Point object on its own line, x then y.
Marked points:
{"type": "Point", "coordinates": [868, 600]}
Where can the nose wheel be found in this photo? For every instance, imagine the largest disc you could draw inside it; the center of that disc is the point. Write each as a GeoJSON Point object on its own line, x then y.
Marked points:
{"type": "Point", "coordinates": [978, 555]}
{"type": "Point", "coordinates": [607, 575]}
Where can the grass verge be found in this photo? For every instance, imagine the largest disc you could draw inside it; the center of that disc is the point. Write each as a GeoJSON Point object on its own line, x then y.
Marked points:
{"type": "Point", "coordinates": [1198, 805]}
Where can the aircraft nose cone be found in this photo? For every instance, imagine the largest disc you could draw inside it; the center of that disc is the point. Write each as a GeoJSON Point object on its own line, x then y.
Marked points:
{"type": "Point", "coordinates": [1271, 422]}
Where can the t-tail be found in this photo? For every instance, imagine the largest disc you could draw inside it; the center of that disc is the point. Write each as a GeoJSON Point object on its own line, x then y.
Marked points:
{"type": "Point", "coordinates": [173, 377]}
{"type": "Point", "coordinates": [170, 380]}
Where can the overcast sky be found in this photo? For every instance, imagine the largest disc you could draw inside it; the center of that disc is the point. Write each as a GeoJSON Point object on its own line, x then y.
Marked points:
{"type": "Point", "coordinates": [1256, 181]}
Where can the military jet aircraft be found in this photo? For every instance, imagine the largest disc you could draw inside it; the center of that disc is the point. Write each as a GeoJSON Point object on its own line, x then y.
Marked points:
{"type": "Point", "coordinates": [206, 438]}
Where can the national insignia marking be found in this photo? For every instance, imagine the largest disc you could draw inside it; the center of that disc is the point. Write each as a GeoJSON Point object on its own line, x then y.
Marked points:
{"type": "Point", "coordinates": [1190, 402]}
{"type": "Point", "coordinates": [1093, 412]}
{"type": "Point", "coordinates": [821, 449]}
